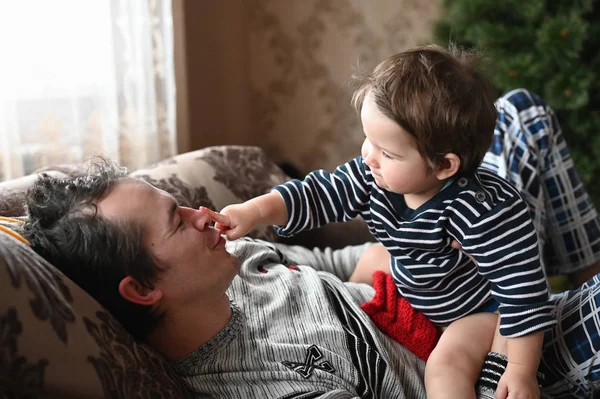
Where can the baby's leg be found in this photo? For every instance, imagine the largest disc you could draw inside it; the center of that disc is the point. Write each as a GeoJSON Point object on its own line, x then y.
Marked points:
{"type": "Point", "coordinates": [456, 361]}
{"type": "Point", "coordinates": [375, 258]}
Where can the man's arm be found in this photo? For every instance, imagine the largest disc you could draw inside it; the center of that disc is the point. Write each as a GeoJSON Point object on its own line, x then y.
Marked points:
{"type": "Point", "coordinates": [340, 262]}
{"type": "Point", "coordinates": [337, 394]}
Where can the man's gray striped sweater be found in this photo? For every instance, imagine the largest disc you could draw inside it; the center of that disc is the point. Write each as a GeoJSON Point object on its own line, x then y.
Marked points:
{"type": "Point", "coordinates": [297, 332]}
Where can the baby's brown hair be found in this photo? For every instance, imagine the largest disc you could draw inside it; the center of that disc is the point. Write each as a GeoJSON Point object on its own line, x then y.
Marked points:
{"type": "Point", "coordinates": [440, 97]}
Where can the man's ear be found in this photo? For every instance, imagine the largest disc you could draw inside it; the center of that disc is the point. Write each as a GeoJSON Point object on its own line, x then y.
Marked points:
{"type": "Point", "coordinates": [449, 168]}
{"type": "Point", "coordinates": [133, 291]}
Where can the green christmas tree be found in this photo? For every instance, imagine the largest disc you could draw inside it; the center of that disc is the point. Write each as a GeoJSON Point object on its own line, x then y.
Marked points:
{"type": "Point", "coordinates": [551, 47]}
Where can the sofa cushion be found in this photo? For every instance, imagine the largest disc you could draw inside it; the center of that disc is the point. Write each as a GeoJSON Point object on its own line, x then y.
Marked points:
{"type": "Point", "coordinates": [57, 342]}
{"type": "Point", "coordinates": [12, 193]}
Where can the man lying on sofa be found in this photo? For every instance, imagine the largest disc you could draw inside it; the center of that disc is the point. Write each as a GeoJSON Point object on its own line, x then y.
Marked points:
{"type": "Point", "coordinates": [247, 318]}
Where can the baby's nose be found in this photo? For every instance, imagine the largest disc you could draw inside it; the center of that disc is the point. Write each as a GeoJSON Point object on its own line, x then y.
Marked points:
{"type": "Point", "coordinates": [370, 161]}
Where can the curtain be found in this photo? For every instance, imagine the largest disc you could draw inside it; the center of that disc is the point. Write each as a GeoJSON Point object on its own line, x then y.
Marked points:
{"type": "Point", "coordinates": [80, 77]}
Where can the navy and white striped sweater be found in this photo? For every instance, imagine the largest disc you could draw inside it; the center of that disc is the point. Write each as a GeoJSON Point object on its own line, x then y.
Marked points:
{"type": "Point", "coordinates": [485, 214]}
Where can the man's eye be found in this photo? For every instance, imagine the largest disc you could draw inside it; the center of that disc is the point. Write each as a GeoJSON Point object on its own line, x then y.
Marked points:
{"type": "Point", "coordinates": [180, 225]}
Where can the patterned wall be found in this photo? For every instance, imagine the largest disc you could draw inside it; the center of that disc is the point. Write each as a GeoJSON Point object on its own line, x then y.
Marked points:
{"type": "Point", "coordinates": [301, 56]}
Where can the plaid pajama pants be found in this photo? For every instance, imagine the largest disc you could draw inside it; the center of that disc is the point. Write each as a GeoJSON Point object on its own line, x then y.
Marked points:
{"type": "Point", "coordinates": [529, 150]}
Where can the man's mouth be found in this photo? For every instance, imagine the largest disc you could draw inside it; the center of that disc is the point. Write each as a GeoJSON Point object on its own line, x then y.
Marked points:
{"type": "Point", "coordinates": [219, 241]}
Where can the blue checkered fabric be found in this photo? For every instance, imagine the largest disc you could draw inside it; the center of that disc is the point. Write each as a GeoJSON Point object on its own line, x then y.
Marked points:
{"type": "Point", "coordinates": [571, 352]}
{"type": "Point", "coordinates": [529, 151]}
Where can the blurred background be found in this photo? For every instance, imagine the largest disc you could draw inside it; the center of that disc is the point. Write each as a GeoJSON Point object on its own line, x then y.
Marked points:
{"type": "Point", "coordinates": [142, 80]}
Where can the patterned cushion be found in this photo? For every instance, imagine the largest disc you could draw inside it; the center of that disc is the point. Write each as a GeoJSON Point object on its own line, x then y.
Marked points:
{"type": "Point", "coordinates": [12, 194]}
{"type": "Point", "coordinates": [55, 340]}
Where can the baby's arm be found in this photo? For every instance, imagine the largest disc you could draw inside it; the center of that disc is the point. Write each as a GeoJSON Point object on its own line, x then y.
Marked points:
{"type": "Point", "coordinates": [237, 220]}
{"type": "Point", "coordinates": [298, 205]}
{"type": "Point", "coordinates": [523, 353]}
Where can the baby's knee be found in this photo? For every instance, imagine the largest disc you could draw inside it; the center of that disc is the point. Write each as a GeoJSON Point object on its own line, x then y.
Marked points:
{"type": "Point", "coordinates": [444, 358]}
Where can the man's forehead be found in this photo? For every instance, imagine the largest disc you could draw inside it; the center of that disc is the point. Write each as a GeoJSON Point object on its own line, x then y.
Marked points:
{"type": "Point", "coordinates": [129, 198]}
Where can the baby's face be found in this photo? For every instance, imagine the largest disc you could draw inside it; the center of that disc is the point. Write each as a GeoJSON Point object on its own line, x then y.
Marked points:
{"type": "Point", "coordinates": [392, 155]}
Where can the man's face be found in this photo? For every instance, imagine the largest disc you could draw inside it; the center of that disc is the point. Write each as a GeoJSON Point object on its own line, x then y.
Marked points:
{"type": "Point", "coordinates": [193, 266]}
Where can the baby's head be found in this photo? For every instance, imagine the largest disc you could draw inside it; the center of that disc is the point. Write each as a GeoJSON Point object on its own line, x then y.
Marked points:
{"type": "Point", "coordinates": [440, 98]}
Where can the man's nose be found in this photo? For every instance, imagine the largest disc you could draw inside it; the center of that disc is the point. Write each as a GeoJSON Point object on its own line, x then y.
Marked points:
{"type": "Point", "coordinates": [199, 220]}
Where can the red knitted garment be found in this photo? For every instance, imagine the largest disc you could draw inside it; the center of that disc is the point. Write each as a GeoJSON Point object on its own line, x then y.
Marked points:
{"type": "Point", "coordinates": [397, 318]}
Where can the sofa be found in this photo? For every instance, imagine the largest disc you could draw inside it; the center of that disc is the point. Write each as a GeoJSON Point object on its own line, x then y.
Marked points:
{"type": "Point", "coordinates": [57, 342]}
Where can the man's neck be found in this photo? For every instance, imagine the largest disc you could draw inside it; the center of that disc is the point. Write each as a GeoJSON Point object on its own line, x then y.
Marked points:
{"type": "Point", "coordinates": [183, 331]}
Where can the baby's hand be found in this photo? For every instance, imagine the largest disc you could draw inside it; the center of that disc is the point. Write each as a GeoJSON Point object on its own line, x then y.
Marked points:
{"type": "Point", "coordinates": [518, 384]}
{"type": "Point", "coordinates": [235, 221]}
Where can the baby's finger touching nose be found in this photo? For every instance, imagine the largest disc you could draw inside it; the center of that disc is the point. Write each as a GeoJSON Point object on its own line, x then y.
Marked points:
{"type": "Point", "coordinates": [221, 227]}
{"type": "Point", "coordinates": [221, 220]}
{"type": "Point", "coordinates": [212, 214]}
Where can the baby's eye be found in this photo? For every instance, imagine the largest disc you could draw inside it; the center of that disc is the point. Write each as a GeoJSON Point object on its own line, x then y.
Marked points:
{"type": "Point", "coordinates": [386, 155]}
